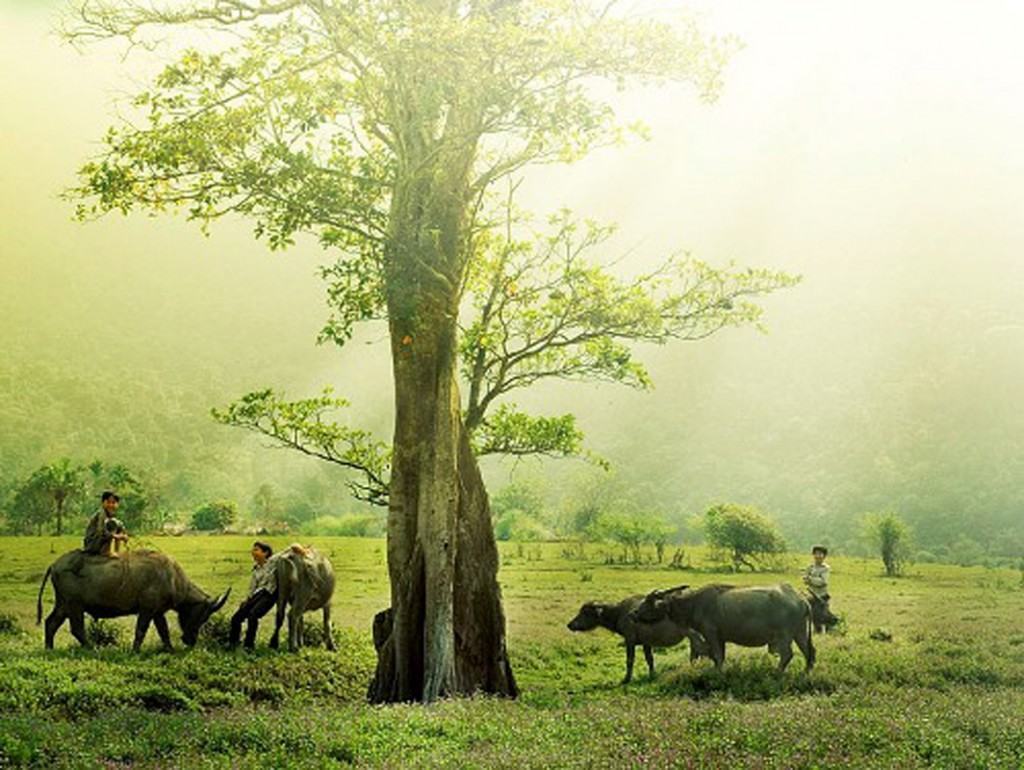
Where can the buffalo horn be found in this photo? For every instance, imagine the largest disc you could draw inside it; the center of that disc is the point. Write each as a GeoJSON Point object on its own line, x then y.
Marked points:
{"type": "Point", "coordinates": [219, 601]}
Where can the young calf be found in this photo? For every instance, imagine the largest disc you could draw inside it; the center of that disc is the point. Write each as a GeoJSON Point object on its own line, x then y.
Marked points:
{"type": "Point", "coordinates": [615, 617]}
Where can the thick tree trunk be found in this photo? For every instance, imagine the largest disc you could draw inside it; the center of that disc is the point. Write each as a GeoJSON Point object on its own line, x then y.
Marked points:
{"type": "Point", "coordinates": [445, 632]}
{"type": "Point", "coordinates": [447, 626]}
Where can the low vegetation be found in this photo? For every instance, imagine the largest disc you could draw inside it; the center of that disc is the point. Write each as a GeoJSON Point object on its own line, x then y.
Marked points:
{"type": "Point", "coordinates": [928, 672]}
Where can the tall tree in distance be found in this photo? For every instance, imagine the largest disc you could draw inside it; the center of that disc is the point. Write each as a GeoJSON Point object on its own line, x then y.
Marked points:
{"type": "Point", "coordinates": [381, 127]}
{"type": "Point", "coordinates": [49, 492]}
{"type": "Point", "coordinates": [891, 536]}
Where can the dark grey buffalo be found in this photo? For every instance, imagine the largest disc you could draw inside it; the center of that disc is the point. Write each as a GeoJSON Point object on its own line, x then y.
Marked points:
{"type": "Point", "coordinates": [616, 618]}
{"type": "Point", "coordinates": [305, 582]}
{"type": "Point", "coordinates": [143, 583]}
{"type": "Point", "coordinates": [821, 615]}
{"type": "Point", "coordinates": [775, 616]}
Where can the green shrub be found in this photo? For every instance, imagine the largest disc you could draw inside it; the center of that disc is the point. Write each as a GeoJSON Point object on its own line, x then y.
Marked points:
{"type": "Point", "coordinates": [103, 633]}
{"type": "Point", "coordinates": [216, 633]}
{"type": "Point", "coordinates": [215, 515]}
{"type": "Point", "coordinates": [9, 625]}
{"type": "Point", "coordinates": [163, 698]}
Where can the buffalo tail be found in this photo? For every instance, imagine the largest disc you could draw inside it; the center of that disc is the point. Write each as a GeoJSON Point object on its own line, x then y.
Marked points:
{"type": "Point", "coordinates": [809, 622]}
{"type": "Point", "coordinates": [39, 601]}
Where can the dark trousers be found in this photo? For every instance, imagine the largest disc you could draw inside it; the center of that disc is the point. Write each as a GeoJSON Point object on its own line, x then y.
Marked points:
{"type": "Point", "coordinates": [252, 609]}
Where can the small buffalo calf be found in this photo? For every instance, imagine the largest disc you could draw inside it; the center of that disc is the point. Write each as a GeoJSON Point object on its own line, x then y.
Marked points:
{"type": "Point", "coordinates": [615, 617]}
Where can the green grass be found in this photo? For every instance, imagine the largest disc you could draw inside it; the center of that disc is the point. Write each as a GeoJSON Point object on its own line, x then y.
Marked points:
{"type": "Point", "coordinates": [929, 673]}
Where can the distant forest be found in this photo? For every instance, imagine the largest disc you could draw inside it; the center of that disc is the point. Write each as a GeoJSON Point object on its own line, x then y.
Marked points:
{"type": "Point", "coordinates": [932, 432]}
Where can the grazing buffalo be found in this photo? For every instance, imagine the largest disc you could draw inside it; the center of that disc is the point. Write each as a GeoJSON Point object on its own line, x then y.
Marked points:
{"type": "Point", "coordinates": [305, 582]}
{"type": "Point", "coordinates": [616, 618]}
{"type": "Point", "coordinates": [773, 615]}
{"type": "Point", "coordinates": [143, 583]}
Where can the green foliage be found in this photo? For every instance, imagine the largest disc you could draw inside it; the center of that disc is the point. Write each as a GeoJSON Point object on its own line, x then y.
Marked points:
{"type": "Point", "coordinates": [216, 515]}
{"type": "Point", "coordinates": [518, 511]}
{"type": "Point", "coordinates": [891, 537]}
{"type": "Point", "coordinates": [9, 624]}
{"type": "Point", "coordinates": [546, 309]}
{"type": "Point", "coordinates": [48, 494]}
{"type": "Point", "coordinates": [632, 533]}
{"type": "Point", "coordinates": [103, 633]}
{"type": "Point", "coordinates": [303, 129]}
{"type": "Point", "coordinates": [301, 425]}
{"type": "Point", "coordinates": [266, 505]}
{"type": "Point", "coordinates": [137, 509]}
{"type": "Point", "coordinates": [743, 532]}
{"type": "Point", "coordinates": [508, 431]}
{"type": "Point", "coordinates": [216, 632]}
{"type": "Point", "coordinates": [520, 527]}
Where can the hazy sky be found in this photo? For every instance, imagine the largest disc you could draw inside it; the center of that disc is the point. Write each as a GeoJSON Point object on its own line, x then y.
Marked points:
{"type": "Point", "coordinates": [874, 147]}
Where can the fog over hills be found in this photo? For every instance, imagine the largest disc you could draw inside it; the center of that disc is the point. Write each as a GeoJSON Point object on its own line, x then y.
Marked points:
{"type": "Point", "coordinates": [873, 149]}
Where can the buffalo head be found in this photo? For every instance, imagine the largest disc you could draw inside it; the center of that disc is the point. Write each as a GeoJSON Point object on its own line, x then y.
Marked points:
{"type": "Point", "coordinates": [587, 619]}
{"type": "Point", "coordinates": [191, 617]}
{"type": "Point", "coordinates": [654, 607]}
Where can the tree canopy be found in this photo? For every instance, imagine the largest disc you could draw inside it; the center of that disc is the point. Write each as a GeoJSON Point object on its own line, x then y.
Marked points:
{"type": "Point", "coordinates": [743, 532]}
{"type": "Point", "coordinates": [381, 129]}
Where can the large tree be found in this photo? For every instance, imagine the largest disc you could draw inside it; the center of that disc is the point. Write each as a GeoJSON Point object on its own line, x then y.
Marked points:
{"type": "Point", "coordinates": [380, 127]}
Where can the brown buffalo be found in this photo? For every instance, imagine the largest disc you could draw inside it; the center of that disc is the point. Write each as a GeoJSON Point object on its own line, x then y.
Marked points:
{"type": "Point", "coordinates": [305, 582]}
{"type": "Point", "coordinates": [750, 616]}
{"type": "Point", "coordinates": [616, 618]}
{"type": "Point", "coordinates": [143, 583]}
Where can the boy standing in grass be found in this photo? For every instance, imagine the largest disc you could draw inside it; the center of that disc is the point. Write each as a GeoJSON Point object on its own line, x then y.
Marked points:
{"type": "Point", "coordinates": [816, 580]}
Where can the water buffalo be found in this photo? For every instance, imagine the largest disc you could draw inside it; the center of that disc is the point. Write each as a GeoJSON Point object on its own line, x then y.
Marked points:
{"type": "Point", "coordinates": [821, 615]}
{"type": "Point", "coordinates": [616, 618]}
{"type": "Point", "coordinates": [305, 582]}
{"type": "Point", "coordinates": [143, 583]}
{"type": "Point", "coordinates": [752, 616]}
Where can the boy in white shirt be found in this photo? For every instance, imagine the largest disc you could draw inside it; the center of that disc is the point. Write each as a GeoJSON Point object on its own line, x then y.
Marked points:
{"type": "Point", "coordinates": [816, 580]}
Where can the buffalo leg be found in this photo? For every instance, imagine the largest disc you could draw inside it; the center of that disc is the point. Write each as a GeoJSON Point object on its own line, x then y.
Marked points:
{"type": "Point", "coordinates": [275, 640]}
{"type": "Point", "coordinates": [141, 627]}
{"type": "Point", "coordinates": [160, 621]}
{"type": "Point", "coordinates": [294, 629]}
{"type": "Point", "coordinates": [785, 650]}
{"type": "Point", "coordinates": [77, 620]}
{"type": "Point", "coordinates": [328, 637]}
{"type": "Point", "coordinates": [630, 657]}
{"type": "Point", "coordinates": [806, 645]}
{"type": "Point", "coordinates": [53, 623]}
{"type": "Point", "coordinates": [649, 656]}
{"type": "Point", "coordinates": [716, 648]}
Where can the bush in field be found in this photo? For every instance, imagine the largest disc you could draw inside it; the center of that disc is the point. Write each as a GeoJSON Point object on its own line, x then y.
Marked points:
{"type": "Point", "coordinates": [103, 633]}
{"type": "Point", "coordinates": [520, 527]}
{"type": "Point", "coordinates": [890, 536]}
{"type": "Point", "coordinates": [518, 511]}
{"type": "Point", "coordinates": [215, 516]}
{"type": "Point", "coordinates": [633, 533]}
{"type": "Point", "coordinates": [743, 532]}
{"type": "Point", "coordinates": [9, 624]}
{"type": "Point", "coordinates": [216, 632]}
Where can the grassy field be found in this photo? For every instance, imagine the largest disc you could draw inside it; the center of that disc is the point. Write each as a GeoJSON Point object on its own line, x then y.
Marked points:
{"type": "Point", "coordinates": [928, 671]}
